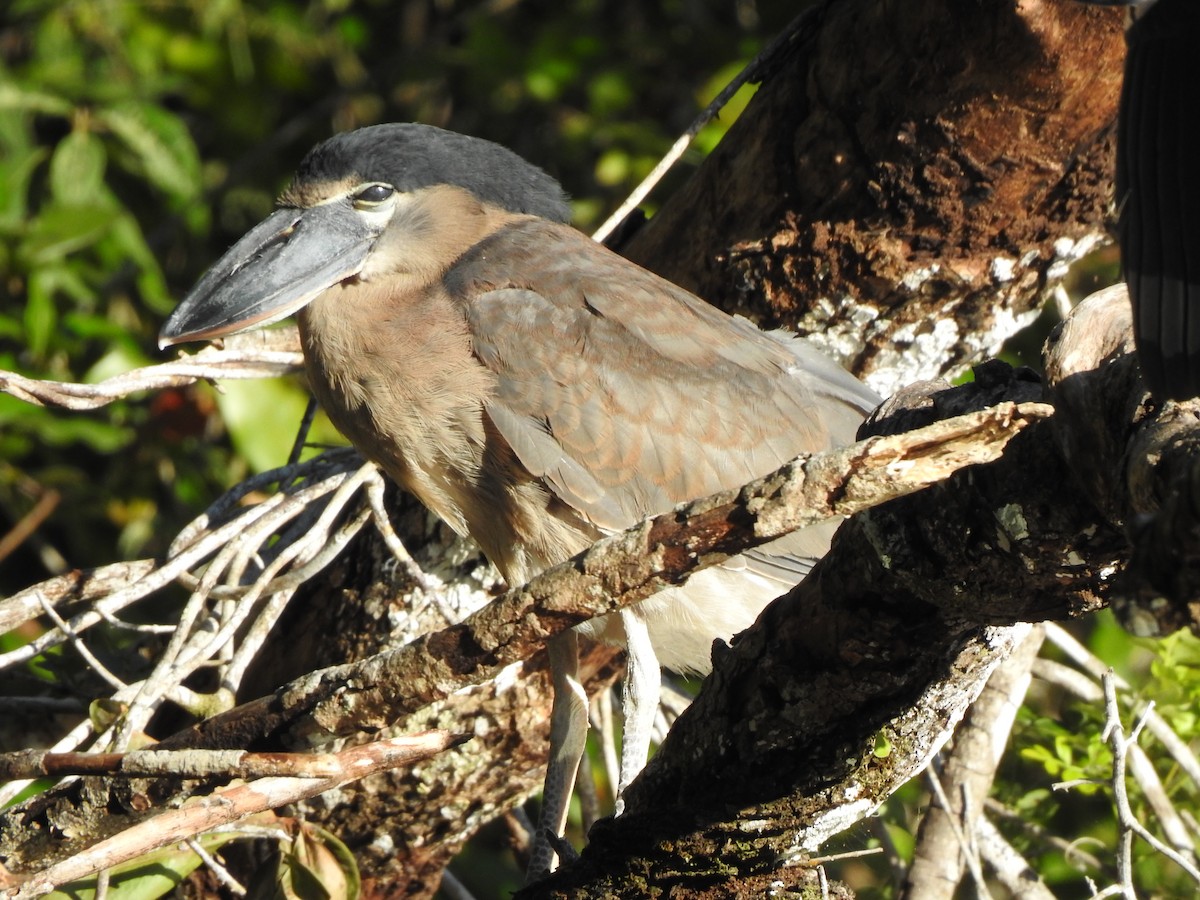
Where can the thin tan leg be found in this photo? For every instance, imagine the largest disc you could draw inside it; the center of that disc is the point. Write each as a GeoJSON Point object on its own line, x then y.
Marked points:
{"type": "Point", "coordinates": [568, 734]}
{"type": "Point", "coordinates": [639, 700]}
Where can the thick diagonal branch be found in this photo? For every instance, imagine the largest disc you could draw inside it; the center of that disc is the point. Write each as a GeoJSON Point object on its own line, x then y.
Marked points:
{"type": "Point", "coordinates": [617, 571]}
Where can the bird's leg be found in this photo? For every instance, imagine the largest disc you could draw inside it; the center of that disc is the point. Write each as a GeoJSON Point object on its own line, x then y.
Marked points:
{"type": "Point", "coordinates": [643, 684]}
{"type": "Point", "coordinates": [568, 734]}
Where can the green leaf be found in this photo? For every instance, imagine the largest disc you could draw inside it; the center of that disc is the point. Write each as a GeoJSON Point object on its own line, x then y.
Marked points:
{"type": "Point", "coordinates": [161, 145]}
{"type": "Point", "coordinates": [263, 418]}
{"type": "Point", "coordinates": [318, 867]}
{"type": "Point", "coordinates": [17, 416]}
{"type": "Point", "coordinates": [15, 96]}
{"type": "Point", "coordinates": [15, 174]}
{"type": "Point", "coordinates": [77, 169]}
{"type": "Point", "coordinates": [126, 235]}
{"type": "Point", "coordinates": [59, 230]}
{"type": "Point", "coordinates": [41, 315]}
{"type": "Point", "coordinates": [883, 746]}
{"type": "Point", "coordinates": [147, 877]}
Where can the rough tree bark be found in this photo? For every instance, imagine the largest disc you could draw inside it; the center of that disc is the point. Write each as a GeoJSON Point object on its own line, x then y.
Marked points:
{"type": "Point", "coordinates": [908, 181]}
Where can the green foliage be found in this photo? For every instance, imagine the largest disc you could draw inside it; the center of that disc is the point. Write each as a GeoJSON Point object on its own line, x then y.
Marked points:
{"type": "Point", "coordinates": [148, 877]}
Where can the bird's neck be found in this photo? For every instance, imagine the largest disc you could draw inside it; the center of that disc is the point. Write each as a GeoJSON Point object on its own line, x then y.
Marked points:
{"type": "Point", "coordinates": [394, 372]}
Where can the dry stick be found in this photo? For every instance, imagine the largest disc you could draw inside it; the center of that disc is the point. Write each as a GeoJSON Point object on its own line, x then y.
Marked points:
{"type": "Point", "coordinates": [1114, 735]}
{"type": "Point", "coordinates": [1011, 869]}
{"type": "Point", "coordinates": [260, 356]}
{"type": "Point", "coordinates": [71, 741]}
{"type": "Point", "coordinates": [969, 768]}
{"type": "Point", "coordinates": [601, 716]}
{"type": "Point", "coordinates": [1072, 851]}
{"type": "Point", "coordinates": [327, 465]}
{"type": "Point", "coordinates": [80, 647]}
{"type": "Point", "coordinates": [222, 874]}
{"type": "Point", "coordinates": [585, 791]}
{"type": "Point", "coordinates": [28, 523]}
{"type": "Point", "coordinates": [966, 840]}
{"type": "Point", "coordinates": [166, 668]}
{"type": "Point", "coordinates": [151, 763]}
{"type": "Point", "coordinates": [194, 544]}
{"type": "Point", "coordinates": [1142, 769]}
{"type": "Point", "coordinates": [79, 586]}
{"type": "Point", "coordinates": [224, 806]}
{"type": "Point", "coordinates": [817, 861]}
{"type": "Point", "coordinates": [315, 539]}
{"type": "Point", "coordinates": [328, 551]}
{"type": "Point", "coordinates": [153, 580]}
{"type": "Point", "coordinates": [302, 517]}
{"type": "Point", "coordinates": [193, 657]}
{"type": "Point", "coordinates": [253, 640]}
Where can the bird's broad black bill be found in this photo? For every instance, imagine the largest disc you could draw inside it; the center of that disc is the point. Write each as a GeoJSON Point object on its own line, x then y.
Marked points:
{"type": "Point", "coordinates": [279, 267]}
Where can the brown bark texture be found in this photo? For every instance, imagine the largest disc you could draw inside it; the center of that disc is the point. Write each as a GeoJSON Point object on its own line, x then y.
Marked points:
{"type": "Point", "coordinates": [906, 185]}
{"type": "Point", "coordinates": [907, 181]}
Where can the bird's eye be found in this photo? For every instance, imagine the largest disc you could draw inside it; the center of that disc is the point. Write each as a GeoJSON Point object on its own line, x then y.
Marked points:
{"type": "Point", "coordinates": [372, 195]}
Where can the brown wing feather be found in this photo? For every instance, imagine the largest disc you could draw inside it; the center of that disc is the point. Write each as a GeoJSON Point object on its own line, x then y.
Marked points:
{"type": "Point", "coordinates": [646, 396]}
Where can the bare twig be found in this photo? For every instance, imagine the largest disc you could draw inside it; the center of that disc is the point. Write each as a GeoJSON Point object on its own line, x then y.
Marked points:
{"type": "Point", "coordinates": [1157, 726]}
{"type": "Point", "coordinates": [74, 586]}
{"type": "Point", "coordinates": [969, 767]}
{"type": "Point", "coordinates": [1120, 743]}
{"type": "Point", "coordinates": [1081, 685]}
{"type": "Point", "coordinates": [838, 857]}
{"type": "Point", "coordinates": [153, 763]}
{"type": "Point", "coordinates": [222, 874]}
{"type": "Point", "coordinates": [47, 500]}
{"type": "Point", "coordinates": [601, 716]}
{"type": "Point", "coordinates": [264, 354]}
{"type": "Point", "coordinates": [1011, 869]}
{"type": "Point", "coordinates": [223, 807]}
{"type": "Point", "coordinates": [80, 647]}
{"type": "Point", "coordinates": [211, 533]}
{"type": "Point", "coordinates": [966, 839]}
{"type": "Point", "coordinates": [1123, 748]}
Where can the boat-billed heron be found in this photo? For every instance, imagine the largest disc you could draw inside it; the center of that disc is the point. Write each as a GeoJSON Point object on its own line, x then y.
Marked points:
{"type": "Point", "coordinates": [1158, 190]}
{"type": "Point", "coordinates": [532, 388]}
